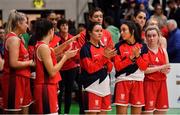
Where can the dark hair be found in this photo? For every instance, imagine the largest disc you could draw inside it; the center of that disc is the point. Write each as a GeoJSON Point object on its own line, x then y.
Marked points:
{"type": "Point", "coordinates": [109, 20]}
{"type": "Point", "coordinates": [138, 11]}
{"type": "Point", "coordinates": [82, 25]}
{"type": "Point", "coordinates": [47, 13]}
{"type": "Point", "coordinates": [61, 22]}
{"type": "Point", "coordinates": [96, 9]}
{"type": "Point", "coordinates": [42, 27]}
{"type": "Point", "coordinates": [89, 29]}
{"type": "Point", "coordinates": [170, 1]}
{"type": "Point", "coordinates": [133, 29]}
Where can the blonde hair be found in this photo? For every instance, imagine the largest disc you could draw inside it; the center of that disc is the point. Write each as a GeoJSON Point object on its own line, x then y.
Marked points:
{"type": "Point", "coordinates": [13, 19]}
{"type": "Point", "coordinates": [153, 27]}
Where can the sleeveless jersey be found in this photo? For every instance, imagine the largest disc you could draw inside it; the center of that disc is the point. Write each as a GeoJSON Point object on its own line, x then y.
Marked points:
{"type": "Point", "coordinates": [42, 75]}
{"type": "Point", "coordinates": [156, 60]}
{"type": "Point", "coordinates": [23, 56]}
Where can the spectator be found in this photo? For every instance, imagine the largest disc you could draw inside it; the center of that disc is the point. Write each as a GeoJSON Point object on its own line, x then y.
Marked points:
{"type": "Point", "coordinates": [158, 14]}
{"type": "Point", "coordinates": [109, 25]}
{"type": "Point", "coordinates": [152, 4]}
{"type": "Point", "coordinates": [173, 43]}
{"type": "Point", "coordinates": [140, 20]}
{"type": "Point", "coordinates": [53, 18]}
{"type": "Point", "coordinates": [129, 12]}
{"type": "Point", "coordinates": [174, 11]}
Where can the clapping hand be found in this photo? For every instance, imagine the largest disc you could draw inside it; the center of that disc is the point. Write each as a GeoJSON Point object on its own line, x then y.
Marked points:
{"type": "Point", "coordinates": [70, 53]}
{"type": "Point", "coordinates": [136, 51]}
{"type": "Point", "coordinates": [109, 53]}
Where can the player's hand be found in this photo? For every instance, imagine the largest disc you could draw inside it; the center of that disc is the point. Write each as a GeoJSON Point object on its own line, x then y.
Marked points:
{"type": "Point", "coordinates": [109, 53]}
{"type": "Point", "coordinates": [136, 51]}
{"type": "Point", "coordinates": [165, 69]}
{"type": "Point", "coordinates": [70, 53]}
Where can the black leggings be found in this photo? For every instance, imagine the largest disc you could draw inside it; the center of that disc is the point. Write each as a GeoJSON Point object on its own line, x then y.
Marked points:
{"type": "Point", "coordinates": [66, 85]}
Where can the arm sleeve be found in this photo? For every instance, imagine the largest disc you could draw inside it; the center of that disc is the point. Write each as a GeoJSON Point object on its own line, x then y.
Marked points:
{"type": "Point", "coordinates": [119, 62]}
{"type": "Point", "coordinates": [109, 66]}
{"type": "Point", "coordinates": [81, 39]}
{"type": "Point", "coordinates": [142, 62]}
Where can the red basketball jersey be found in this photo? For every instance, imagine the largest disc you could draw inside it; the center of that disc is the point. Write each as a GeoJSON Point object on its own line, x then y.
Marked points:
{"type": "Point", "coordinates": [42, 75]}
{"type": "Point", "coordinates": [23, 56]}
{"type": "Point", "coordinates": [156, 60]}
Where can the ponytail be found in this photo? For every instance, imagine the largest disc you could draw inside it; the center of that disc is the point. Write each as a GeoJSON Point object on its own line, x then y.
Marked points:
{"type": "Point", "coordinates": [13, 19]}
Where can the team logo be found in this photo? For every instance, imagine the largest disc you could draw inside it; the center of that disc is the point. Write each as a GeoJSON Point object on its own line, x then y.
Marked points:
{"type": "Point", "coordinates": [165, 106]}
{"type": "Point", "coordinates": [96, 102]}
{"type": "Point", "coordinates": [38, 3]}
{"type": "Point", "coordinates": [122, 96]}
{"type": "Point", "coordinates": [157, 60]}
{"type": "Point", "coordinates": [96, 55]}
{"type": "Point", "coordinates": [57, 106]}
{"type": "Point", "coordinates": [21, 100]}
{"type": "Point", "coordinates": [151, 103]}
{"type": "Point", "coordinates": [105, 40]}
{"type": "Point", "coordinates": [138, 102]}
{"type": "Point", "coordinates": [126, 52]}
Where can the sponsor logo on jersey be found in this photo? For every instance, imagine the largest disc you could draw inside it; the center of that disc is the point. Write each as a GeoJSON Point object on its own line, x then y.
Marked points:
{"type": "Point", "coordinates": [164, 106]}
{"type": "Point", "coordinates": [151, 103]}
{"type": "Point", "coordinates": [96, 102]}
{"type": "Point", "coordinates": [138, 102]}
{"type": "Point", "coordinates": [122, 96]}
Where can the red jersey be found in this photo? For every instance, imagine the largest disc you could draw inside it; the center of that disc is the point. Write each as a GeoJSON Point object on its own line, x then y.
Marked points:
{"type": "Point", "coordinates": [23, 56]}
{"type": "Point", "coordinates": [127, 69]}
{"type": "Point", "coordinates": [55, 41]}
{"type": "Point", "coordinates": [70, 63]}
{"type": "Point", "coordinates": [106, 39]}
{"type": "Point", "coordinates": [42, 75]}
{"type": "Point", "coordinates": [94, 66]}
{"type": "Point", "coordinates": [143, 35]}
{"type": "Point", "coordinates": [156, 60]}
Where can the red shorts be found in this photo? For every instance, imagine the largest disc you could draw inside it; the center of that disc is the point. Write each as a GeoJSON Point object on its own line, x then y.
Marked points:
{"type": "Point", "coordinates": [156, 95]}
{"type": "Point", "coordinates": [16, 93]}
{"type": "Point", "coordinates": [129, 92]}
{"type": "Point", "coordinates": [45, 96]}
{"type": "Point", "coordinates": [95, 103]}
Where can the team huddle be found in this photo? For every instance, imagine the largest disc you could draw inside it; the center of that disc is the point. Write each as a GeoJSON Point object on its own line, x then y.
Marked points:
{"type": "Point", "coordinates": [139, 58]}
